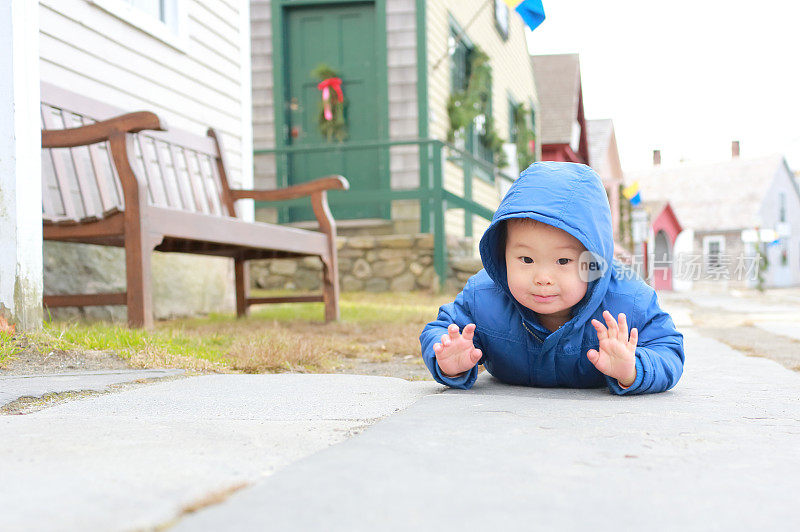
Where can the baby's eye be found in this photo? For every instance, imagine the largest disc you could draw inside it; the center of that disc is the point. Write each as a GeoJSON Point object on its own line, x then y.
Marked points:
{"type": "Point", "coordinates": [564, 263]}
{"type": "Point", "coordinates": [526, 260]}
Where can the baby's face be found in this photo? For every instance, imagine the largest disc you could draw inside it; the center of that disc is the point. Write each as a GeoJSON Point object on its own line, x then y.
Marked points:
{"type": "Point", "coordinates": [542, 265]}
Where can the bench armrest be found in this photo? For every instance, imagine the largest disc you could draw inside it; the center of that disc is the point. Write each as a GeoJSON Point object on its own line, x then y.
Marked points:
{"type": "Point", "coordinates": [332, 182]}
{"type": "Point", "coordinates": [318, 190]}
{"type": "Point", "coordinates": [100, 131]}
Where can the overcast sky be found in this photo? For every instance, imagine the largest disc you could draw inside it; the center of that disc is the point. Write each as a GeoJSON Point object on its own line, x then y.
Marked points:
{"type": "Point", "coordinates": [686, 77]}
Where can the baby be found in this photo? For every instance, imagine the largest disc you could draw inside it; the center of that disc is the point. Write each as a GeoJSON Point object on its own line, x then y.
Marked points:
{"type": "Point", "coordinates": [551, 306]}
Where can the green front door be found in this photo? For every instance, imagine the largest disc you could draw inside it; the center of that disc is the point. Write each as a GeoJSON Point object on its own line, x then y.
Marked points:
{"type": "Point", "coordinates": [343, 37]}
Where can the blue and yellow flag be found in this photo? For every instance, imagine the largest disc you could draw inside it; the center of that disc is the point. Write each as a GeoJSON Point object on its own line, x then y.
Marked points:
{"type": "Point", "coordinates": [631, 192]}
{"type": "Point", "coordinates": [531, 11]}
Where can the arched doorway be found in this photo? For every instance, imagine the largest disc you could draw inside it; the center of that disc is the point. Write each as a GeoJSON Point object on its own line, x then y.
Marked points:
{"type": "Point", "coordinates": [662, 262]}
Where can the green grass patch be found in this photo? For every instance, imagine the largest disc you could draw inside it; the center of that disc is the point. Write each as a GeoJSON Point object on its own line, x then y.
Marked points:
{"type": "Point", "coordinates": [274, 338]}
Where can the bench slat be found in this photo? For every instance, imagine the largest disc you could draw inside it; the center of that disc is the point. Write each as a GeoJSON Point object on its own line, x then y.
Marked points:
{"type": "Point", "coordinates": [101, 174]}
{"type": "Point", "coordinates": [151, 159]}
{"type": "Point", "coordinates": [170, 184]}
{"type": "Point", "coordinates": [197, 188]}
{"type": "Point", "coordinates": [50, 193]}
{"type": "Point", "coordinates": [84, 173]}
{"type": "Point", "coordinates": [211, 184]}
{"type": "Point", "coordinates": [169, 155]}
{"type": "Point", "coordinates": [194, 165]}
{"type": "Point", "coordinates": [59, 168]}
{"type": "Point", "coordinates": [143, 172]}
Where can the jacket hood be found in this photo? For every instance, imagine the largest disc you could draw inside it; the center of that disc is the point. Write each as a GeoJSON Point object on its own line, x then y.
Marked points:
{"type": "Point", "coordinates": [568, 196]}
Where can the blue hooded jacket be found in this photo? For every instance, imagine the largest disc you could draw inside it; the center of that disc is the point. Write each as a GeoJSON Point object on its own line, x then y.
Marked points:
{"type": "Point", "coordinates": [516, 347]}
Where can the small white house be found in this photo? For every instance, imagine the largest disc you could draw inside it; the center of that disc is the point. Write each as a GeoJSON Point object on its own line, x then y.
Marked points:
{"type": "Point", "coordinates": [728, 210]}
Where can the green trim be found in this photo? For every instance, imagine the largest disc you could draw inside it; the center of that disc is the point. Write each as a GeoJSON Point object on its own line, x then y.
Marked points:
{"type": "Point", "coordinates": [422, 110]}
{"type": "Point", "coordinates": [279, 31]}
{"type": "Point", "coordinates": [430, 193]}
{"type": "Point", "coordinates": [439, 210]}
{"type": "Point", "coordinates": [382, 83]}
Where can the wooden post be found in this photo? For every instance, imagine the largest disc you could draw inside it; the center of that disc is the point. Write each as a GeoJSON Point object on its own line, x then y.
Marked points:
{"type": "Point", "coordinates": [330, 272]}
{"type": "Point", "coordinates": [20, 166]}
{"type": "Point", "coordinates": [242, 283]}
{"type": "Point", "coordinates": [138, 241]}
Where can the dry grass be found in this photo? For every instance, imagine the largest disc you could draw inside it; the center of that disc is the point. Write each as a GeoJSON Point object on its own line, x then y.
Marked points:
{"type": "Point", "coordinates": [275, 338]}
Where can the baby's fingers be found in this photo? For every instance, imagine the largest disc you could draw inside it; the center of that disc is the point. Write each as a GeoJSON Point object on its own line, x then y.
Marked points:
{"type": "Point", "coordinates": [602, 333]}
{"type": "Point", "coordinates": [452, 330]}
{"type": "Point", "coordinates": [633, 342]}
{"type": "Point", "coordinates": [469, 332]}
{"type": "Point", "coordinates": [613, 328]}
{"type": "Point", "coordinates": [445, 339]}
{"type": "Point", "coordinates": [475, 356]}
{"type": "Point", "coordinates": [623, 328]}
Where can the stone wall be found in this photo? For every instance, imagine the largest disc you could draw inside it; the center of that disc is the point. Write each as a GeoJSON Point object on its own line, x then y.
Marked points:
{"type": "Point", "coordinates": [397, 263]}
{"type": "Point", "coordinates": [183, 285]}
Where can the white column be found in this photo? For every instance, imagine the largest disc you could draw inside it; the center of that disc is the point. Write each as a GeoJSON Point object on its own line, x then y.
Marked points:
{"type": "Point", "coordinates": [20, 165]}
{"type": "Point", "coordinates": [246, 207]}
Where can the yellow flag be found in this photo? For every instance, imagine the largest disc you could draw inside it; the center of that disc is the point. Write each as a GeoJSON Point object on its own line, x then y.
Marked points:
{"type": "Point", "coordinates": [631, 190]}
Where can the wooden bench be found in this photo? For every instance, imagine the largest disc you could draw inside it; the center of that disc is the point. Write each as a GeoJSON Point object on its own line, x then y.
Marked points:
{"type": "Point", "coordinates": [122, 179]}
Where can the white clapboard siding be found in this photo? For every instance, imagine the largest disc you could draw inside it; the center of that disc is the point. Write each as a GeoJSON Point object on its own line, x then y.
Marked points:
{"type": "Point", "coordinates": [86, 49]}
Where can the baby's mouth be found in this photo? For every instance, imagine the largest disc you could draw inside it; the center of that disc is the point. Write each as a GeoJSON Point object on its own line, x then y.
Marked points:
{"type": "Point", "coordinates": [543, 299]}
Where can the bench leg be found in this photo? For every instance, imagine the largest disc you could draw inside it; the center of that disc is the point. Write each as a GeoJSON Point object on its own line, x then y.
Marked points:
{"type": "Point", "coordinates": [140, 287]}
{"type": "Point", "coordinates": [241, 275]}
{"type": "Point", "coordinates": [330, 289]}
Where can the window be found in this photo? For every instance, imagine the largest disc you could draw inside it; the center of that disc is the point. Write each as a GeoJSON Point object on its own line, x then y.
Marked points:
{"type": "Point", "coordinates": [460, 48]}
{"type": "Point", "coordinates": [162, 19]}
{"type": "Point", "coordinates": [781, 206]}
{"type": "Point", "coordinates": [480, 127]}
{"type": "Point", "coordinates": [501, 18]}
{"type": "Point", "coordinates": [459, 60]}
{"type": "Point", "coordinates": [713, 250]}
{"type": "Point", "coordinates": [512, 124]}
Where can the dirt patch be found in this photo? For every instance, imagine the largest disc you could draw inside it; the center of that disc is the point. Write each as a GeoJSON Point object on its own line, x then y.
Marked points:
{"type": "Point", "coordinates": [28, 405]}
{"type": "Point", "coordinates": [754, 341]}
{"type": "Point", "coordinates": [409, 367]}
{"type": "Point", "coordinates": [738, 330]}
{"type": "Point", "coordinates": [30, 361]}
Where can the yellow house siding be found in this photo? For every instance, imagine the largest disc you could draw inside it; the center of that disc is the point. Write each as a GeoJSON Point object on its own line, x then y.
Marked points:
{"type": "Point", "coordinates": [511, 76]}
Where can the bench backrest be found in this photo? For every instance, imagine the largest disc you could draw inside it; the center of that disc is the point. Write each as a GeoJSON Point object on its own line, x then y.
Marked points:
{"type": "Point", "coordinates": [180, 170]}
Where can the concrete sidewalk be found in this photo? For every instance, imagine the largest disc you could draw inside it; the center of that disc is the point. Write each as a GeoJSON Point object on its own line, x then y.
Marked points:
{"type": "Point", "coordinates": [721, 451]}
{"type": "Point", "coordinates": [132, 460]}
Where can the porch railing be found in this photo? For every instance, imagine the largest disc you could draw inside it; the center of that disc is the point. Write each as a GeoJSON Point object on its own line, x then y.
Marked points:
{"type": "Point", "coordinates": [434, 200]}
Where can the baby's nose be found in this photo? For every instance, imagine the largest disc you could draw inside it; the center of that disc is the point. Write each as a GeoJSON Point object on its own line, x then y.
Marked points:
{"type": "Point", "coordinates": [542, 279]}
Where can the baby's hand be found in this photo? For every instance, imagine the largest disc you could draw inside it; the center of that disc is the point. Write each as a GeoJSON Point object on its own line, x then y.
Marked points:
{"type": "Point", "coordinates": [456, 354]}
{"type": "Point", "coordinates": [617, 356]}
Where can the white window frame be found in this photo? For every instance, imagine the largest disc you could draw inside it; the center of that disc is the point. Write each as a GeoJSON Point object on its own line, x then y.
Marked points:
{"type": "Point", "coordinates": [781, 206]}
{"type": "Point", "coordinates": [707, 241]}
{"type": "Point", "coordinates": [172, 32]}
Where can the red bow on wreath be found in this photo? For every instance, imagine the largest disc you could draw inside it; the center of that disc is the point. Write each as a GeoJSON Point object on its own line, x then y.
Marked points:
{"type": "Point", "coordinates": [325, 86]}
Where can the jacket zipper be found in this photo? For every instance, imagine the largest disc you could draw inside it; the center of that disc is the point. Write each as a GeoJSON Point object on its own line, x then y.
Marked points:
{"type": "Point", "coordinates": [530, 331]}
